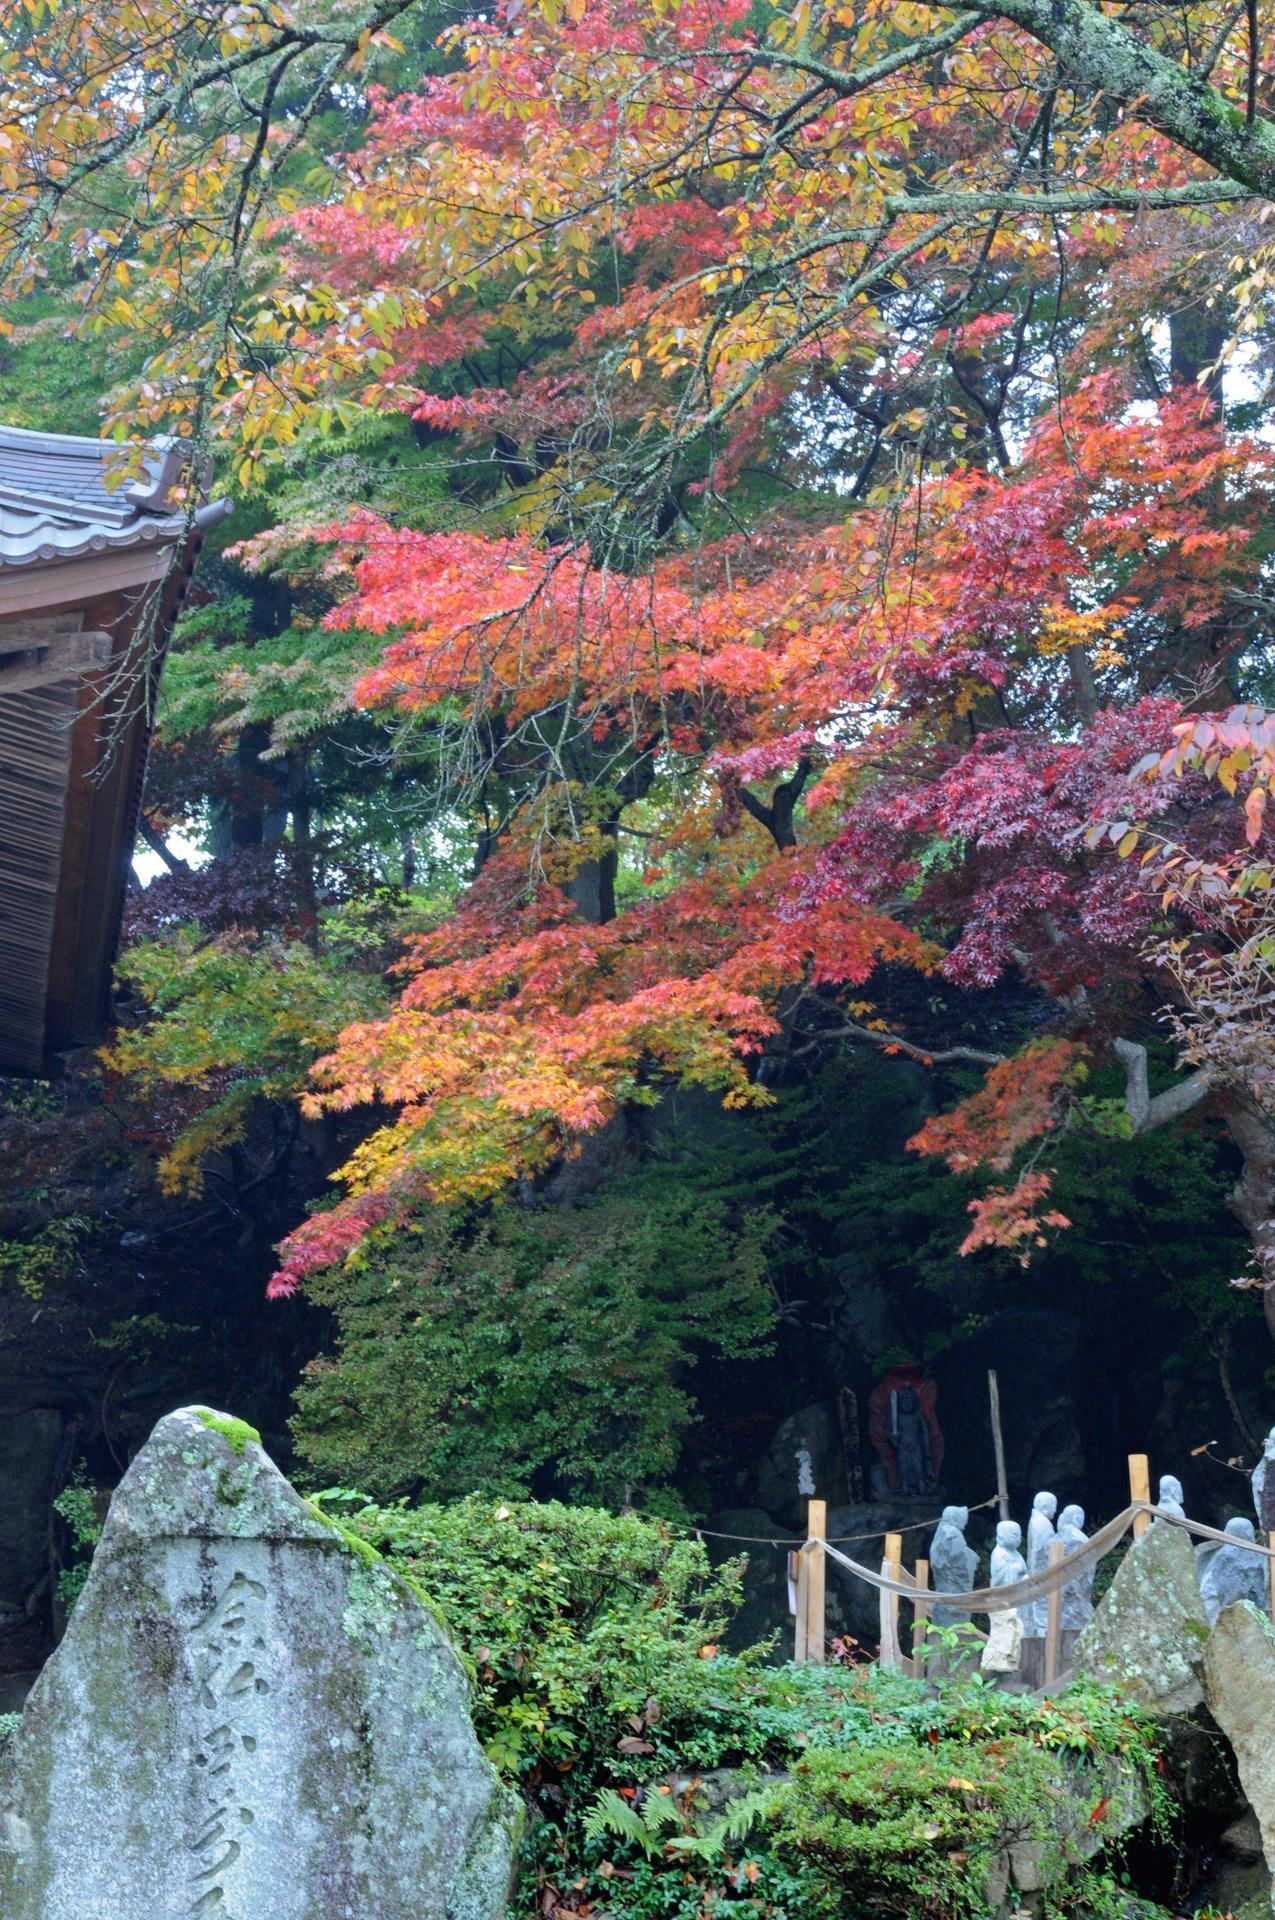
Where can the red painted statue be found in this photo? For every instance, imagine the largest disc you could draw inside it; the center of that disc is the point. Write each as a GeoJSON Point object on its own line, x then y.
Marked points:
{"type": "Point", "coordinates": [903, 1426]}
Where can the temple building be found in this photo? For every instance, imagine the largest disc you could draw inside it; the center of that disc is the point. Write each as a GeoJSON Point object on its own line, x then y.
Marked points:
{"type": "Point", "coordinates": [91, 579]}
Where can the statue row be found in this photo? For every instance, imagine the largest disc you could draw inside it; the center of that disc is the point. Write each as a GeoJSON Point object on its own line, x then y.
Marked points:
{"type": "Point", "coordinates": [1225, 1573]}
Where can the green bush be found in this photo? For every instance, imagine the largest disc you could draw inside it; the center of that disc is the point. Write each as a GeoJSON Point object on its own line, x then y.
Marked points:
{"type": "Point", "coordinates": [670, 1781]}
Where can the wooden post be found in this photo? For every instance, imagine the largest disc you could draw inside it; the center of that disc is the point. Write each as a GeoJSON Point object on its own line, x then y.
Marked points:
{"type": "Point", "coordinates": [998, 1442]}
{"type": "Point", "coordinates": [1270, 1571]}
{"type": "Point", "coordinates": [891, 1567]}
{"type": "Point", "coordinates": [799, 1652]}
{"type": "Point", "coordinates": [920, 1617]}
{"type": "Point", "coordinates": [816, 1581]}
{"type": "Point", "coordinates": [1053, 1617]}
{"type": "Point", "coordinates": [1140, 1489]}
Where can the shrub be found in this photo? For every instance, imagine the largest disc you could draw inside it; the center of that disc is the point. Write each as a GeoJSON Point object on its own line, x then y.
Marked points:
{"type": "Point", "coordinates": [670, 1781]}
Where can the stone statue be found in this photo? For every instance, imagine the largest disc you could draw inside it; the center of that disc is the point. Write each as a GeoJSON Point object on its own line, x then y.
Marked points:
{"type": "Point", "coordinates": [1077, 1597]}
{"type": "Point", "coordinates": [1264, 1486]}
{"type": "Point", "coordinates": [904, 1428]}
{"type": "Point", "coordinates": [1040, 1538]}
{"type": "Point", "coordinates": [1234, 1574]}
{"type": "Point", "coordinates": [1003, 1651]}
{"type": "Point", "coordinates": [1169, 1499]}
{"type": "Point", "coordinates": [246, 1718]}
{"type": "Point", "coordinates": [953, 1563]}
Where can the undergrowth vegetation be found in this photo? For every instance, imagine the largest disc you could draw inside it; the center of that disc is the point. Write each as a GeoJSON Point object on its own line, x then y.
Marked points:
{"type": "Point", "coordinates": [670, 1780]}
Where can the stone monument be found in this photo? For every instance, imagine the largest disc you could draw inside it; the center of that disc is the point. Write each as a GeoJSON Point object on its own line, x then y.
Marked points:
{"type": "Point", "coordinates": [953, 1563]}
{"type": "Point", "coordinates": [1232, 1573]}
{"type": "Point", "coordinates": [248, 1719]}
{"type": "Point", "coordinates": [1003, 1653]}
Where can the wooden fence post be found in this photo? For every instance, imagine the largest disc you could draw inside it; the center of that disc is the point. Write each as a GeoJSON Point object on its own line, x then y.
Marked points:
{"type": "Point", "coordinates": [1140, 1489]}
{"type": "Point", "coordinates": [998, 1443]}
{"type": "Point", "coordinates": [891, 1567]}
{"type": "Point", "coordinates": [816, 1581]}
{"type": "Point", "coordinates": [799, 1651]}
{"type": "Point", "coordinates": [920, 1617]}
{"type": "Point", "coordinates": [1053, 1617]}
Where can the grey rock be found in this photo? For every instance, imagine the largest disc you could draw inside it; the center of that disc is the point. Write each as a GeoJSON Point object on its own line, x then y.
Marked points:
{"type": "Point", "coordinates": [805, 1460]}
{"type": "Point", "coordinates": [860, 1530]}
{"type": "Point", "coordinates": [1239, 1676]}
{"type": "Point", "coordinates": [953, 1563]}
{"type": "Point", "coordinates": [1038, 1356]}
{"type": "Point", "coordinates": [1149, 1631]}
{"type": "Point", "coordinates": [31, 1450]}
{"type": "Point", "coordinates": [246, 1720]}
{"type": "Point", "coordinates": [1242, 1840]}
{"type": "Point", "coordinates": [1264, 1493]}
{"type": "Point", "coordinates": [864, 1321]}
{"type": "Point", "coordinates": [1233, 1573]}
{"type": "Point", "coordinates": [1031, 1866]}
{"type": "Point", "coordinates": [764, 1613]}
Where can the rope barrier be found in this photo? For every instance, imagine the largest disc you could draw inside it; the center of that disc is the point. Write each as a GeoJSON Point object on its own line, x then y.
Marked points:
{"type": "Point", "coordinates": [1038, 1586]}
{"type": "Point", "coordinates": [791, 1540]}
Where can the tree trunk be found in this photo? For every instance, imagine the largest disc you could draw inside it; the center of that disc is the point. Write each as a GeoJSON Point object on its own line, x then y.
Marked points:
{"type": "Point", "coordinates": [1253, 1195]}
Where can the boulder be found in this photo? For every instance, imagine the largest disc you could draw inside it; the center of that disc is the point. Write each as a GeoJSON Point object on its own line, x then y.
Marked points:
{"type": "Point", "coordinates": [764, 1614]}
{"type": "Point", "coordinates": [806, 1460]}
{"type": "Point", "coordinates": [1149, 1632]}
{"type": "Point", "coordinates": [249, 1719]}
{"type": "Point", "coordinates": [1239, 1678]}
{"type": "Point", "coordinates": [1037, 1353]}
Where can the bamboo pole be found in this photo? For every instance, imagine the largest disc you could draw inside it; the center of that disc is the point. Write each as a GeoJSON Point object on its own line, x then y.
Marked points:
{"type": "Point", "coordinates": [816, 1581]}
{"type": "Point", "coordinates": [920, 1618]}
{"type": "Point", "coordinates": [891, 1567]}
{"type": "Point", "coordinates": [998, 1442]}
{"type": "Point", "coordinates": [1140, 1489]}
{"type": "Point", "coordinates": [1053, 1617]}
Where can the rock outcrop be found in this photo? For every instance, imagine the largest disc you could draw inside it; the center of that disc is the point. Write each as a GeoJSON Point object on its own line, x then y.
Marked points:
{"type": "Point", "coordinates": [249, 1719]}
{"type": "Point", "coordinates": [1149, 1633]}
{"type": "Point", "coordinates": [1239, 1673]}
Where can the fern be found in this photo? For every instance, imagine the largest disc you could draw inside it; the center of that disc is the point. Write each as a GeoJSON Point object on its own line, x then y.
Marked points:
{"type": "Point", "coordinates": [736, 1822]}
{"type": "Point", "coordinates": [612, 1815]}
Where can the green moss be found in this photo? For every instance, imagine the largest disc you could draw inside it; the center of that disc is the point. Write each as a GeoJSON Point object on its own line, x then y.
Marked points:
{"type": "Point", "coordinates": [237, 1433]}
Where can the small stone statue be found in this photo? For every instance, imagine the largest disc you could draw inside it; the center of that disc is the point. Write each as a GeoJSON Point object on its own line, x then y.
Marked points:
{"type": "Point", "coordinates": [952, 1563]}
{"type": "Point", "coordinates": [1040, 1538]}
{"type": "Point", "coordinates": [1264, 1486]}
{"type": "Point", "coordinates": [1170, 1497]}
{"type": "Point", "coordinates": [1005, 1637]}
{"type": "Point", "coordinates": [1077, 1597]}
{"type": "Point", "coordinates": [1234, 1574]}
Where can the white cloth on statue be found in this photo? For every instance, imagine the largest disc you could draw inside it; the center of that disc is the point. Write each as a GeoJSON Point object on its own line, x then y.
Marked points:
{"type": "Point", "coordinates": [1004, 1648]}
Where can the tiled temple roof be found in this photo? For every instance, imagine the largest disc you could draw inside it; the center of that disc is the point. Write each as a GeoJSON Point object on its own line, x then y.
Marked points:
{"type": "Point", "coordinates": [55, 503]}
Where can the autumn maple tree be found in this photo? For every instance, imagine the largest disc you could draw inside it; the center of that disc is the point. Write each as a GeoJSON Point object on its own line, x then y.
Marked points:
{"type": "Point", "coordinates": [852, 521]}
